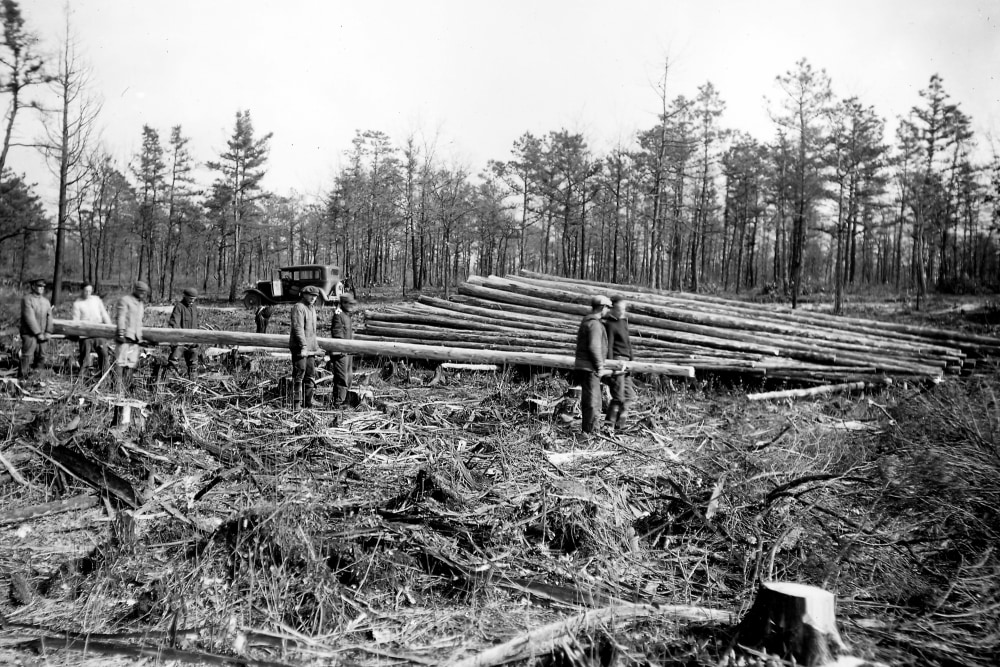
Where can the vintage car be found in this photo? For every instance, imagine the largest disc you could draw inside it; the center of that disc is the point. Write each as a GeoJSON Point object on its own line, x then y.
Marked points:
{"type": "Point", "coordinates": [287, 287]}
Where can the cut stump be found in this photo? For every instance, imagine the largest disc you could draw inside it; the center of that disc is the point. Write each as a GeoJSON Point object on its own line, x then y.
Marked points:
{"type": "Point", "coordinates": [793, 621]}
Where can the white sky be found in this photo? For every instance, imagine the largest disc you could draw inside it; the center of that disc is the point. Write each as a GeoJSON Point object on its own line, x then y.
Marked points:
{"type": "Point", "coordinates": [473, 76]}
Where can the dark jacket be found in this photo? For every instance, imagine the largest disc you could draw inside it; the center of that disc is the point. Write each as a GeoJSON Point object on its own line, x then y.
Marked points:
{"type": "Point", "coordinates": [619, 345]}
{"type": "Point", "coordinates": [36, 315]}
{"type": "Point", "coordinates": [183, 317]}
{"type": "Point", "coordinates": [591, 344]}
{"type": "Point", "coordinates": [342, 326]}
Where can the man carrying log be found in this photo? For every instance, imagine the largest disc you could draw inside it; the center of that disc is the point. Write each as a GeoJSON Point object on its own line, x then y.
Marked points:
{"type": "Point", "coordinates": [90, 308]}
{"type": "Point", "coordinates": [36, 326]}
{"type": "Point", "coordinates": [128, 322]}
{"type": "Point", "coordinates": [304, 347]}
{"type": "Point", "coordinates": [184, 316]}
{"type": "Point", "coordinates": [591, 351]}
{"type": "Point", "coordinates": [619, 347]}
{"type": "Point", "coordinates": [342, 327]}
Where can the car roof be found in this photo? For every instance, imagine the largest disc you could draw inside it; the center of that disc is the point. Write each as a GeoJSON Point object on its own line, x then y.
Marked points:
{"type": "Point", "coordinates": [307, 266]}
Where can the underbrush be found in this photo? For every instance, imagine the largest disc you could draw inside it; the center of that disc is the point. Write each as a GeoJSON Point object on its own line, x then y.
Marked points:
{"type": "Point", "coordinates": [442, 516]}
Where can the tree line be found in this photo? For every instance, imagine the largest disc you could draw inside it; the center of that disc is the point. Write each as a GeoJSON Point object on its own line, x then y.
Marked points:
{"type": "Point", "coordinates": [828, 204]}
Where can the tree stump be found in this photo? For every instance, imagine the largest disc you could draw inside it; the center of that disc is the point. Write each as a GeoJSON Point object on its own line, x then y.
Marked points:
{"type": "Point", "coordinates": [794, 622]}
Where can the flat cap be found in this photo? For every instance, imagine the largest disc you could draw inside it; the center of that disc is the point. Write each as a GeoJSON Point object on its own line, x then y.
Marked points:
{"type": "Point", "coordinates": [598, 301]}
{"type": "Point", "coordinates": [37, 281]}
{"type": "Point", "coordinates": [140, 286]}
{"type": "Point", "coordinates": [311, 289]}
{"type": "Point", "coordinates": [347, 300]}
{"type": "Point", "coordinates": [190, 291]}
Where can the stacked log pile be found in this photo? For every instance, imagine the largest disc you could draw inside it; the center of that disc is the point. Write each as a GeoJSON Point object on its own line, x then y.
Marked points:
{"type": "Point", "coordinates": [537, 313]}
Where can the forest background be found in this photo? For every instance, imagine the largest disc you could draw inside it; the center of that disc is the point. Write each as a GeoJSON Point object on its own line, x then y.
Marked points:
{"type": "Point", "coordinates": [833, 202]}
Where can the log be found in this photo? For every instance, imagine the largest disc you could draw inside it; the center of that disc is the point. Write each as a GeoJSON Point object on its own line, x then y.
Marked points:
{"type": "Point", "coordinates": [794, 622]}
{"type": "Point", "coordinates": [948, 337]}
{"type": "Point", "coordinates": [207, 337]}
{"type": "Point", "coordinates": [81, 502]}
{"type": "Point", "coordinates": [796, 342]}
{"type": "Point", "coordinates": [813, 391]}
{"type": "Point", "coordinates": [97, 475]}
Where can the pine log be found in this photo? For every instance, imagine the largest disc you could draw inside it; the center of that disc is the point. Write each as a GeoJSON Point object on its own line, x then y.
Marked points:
{"type": "Point", "coordinates": [967, 341]}
{"type": "Point", "coordinates": [663, 333]}
{"type": "Point", "coordinates": [811, 391]}
{"type": "Point", "coordinates": [659, 317]}
{"type": "Point", "coordinates": [211, 337]}
{"type": "Point", "coordinates": [639, 333]}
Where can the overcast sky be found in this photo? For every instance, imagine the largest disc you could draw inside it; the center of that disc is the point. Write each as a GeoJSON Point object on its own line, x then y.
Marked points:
{"type": "Point", "coordinates": [472, 76]}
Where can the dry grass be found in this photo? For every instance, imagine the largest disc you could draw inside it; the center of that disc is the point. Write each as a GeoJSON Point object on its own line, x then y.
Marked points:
{"type": "Point", "coordinates": [434, 521]}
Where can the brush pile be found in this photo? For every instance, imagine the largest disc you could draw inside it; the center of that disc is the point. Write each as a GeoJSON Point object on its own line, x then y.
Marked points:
{"type": "Point", "coordinates": [439, 522]}
{"type": "Point", "coordinates": [540, 313]}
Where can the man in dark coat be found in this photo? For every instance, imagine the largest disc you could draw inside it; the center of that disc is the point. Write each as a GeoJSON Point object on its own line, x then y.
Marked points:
{"type": "Point", "coordinates": [36, 326]}
{"type": "Point", "coordinates": [619, 347]}
{"type": "Point", "coordinates": [184, 316]}
{"type": "Point", "coordinates": [342, 327]}
{"type": "Point", "coordinates": [304, 347]}
{"type": "Point", "coordinates": [591, 351]}
{"type": "Point", "coordinates": [262, 317]}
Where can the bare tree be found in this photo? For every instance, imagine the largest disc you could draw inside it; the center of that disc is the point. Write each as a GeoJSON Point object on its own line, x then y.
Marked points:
{"type": "Point", "coordinates": [21, 68]}
{"type": "Point", "coordinates": [68, 134]}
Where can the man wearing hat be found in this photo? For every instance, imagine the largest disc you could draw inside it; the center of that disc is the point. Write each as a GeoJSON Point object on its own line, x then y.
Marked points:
{"type": "Point", "coordinates": [36, 326]}
{"type": "Point", "coordinates": [90, 308]}
{"type": "Point", "coordinates": [128, 322]}
{"type": "Point", "coordinates": [342, 327]}
{"type": "Point", "coordinates": [304, 347]}
{"type": "Point", "coordinates": [184, 316]}
{"type": "Point", "coordinates": [591, 351]}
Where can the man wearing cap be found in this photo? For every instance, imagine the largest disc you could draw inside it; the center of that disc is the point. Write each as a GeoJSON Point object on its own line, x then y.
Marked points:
{"type": "Point", "coordinates": [342, 327]}
{"type": "Point", "coordinates": [304, 347]}
{"type": "Point", "coordinates": [591, 351]}
{"type": "Point", "coordinates": [184, 316]}
{"type": "Point", "coordinates": [36, 326]}
{"type": "Point", "coordinates": [90, 308]}
{"type": "Point", "coordinates": [619, 347]}
{"type": "Point", "coordinates": [128, 323]}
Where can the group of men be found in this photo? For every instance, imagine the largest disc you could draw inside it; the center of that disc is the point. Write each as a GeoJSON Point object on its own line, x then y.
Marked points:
{"type": "Point", "coordinates": [603, 335]}
{"type": "Point", "coordinates": [305, 349]}
{"type": "Point", "coordinates": [36, 327]}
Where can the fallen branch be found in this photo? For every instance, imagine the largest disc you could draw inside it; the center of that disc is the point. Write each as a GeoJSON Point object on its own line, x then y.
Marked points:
{"type": "Point", "coordinates": [542, 640]}
{"type": "Point", "coordinates": [81, 502]}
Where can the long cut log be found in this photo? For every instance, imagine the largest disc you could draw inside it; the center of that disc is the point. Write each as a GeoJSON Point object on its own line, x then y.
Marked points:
{"type": "Point", "coordinates": [208, 337]}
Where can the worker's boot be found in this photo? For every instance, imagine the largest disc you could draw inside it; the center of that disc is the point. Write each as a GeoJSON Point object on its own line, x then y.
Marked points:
{"type": "Point", "coordinates": [307, 397]}
{"type": "Point", "coordinates": [620, 421]}
{"type": "Point", "coordinates": [611, 418]}
{"type": "Point", "coordinates": [192, 373]}
{"type": "Point", "coordinates": [296, 395]}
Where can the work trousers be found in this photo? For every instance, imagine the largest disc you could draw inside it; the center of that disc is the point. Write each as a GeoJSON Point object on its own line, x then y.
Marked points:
{"type": "Point", "coordinates": [590, 398]}
{"type": "Point", "coordinates": [190, 354]}
{"type": "Point", "coordinates": [622, 397]}
{"type": "Point", "coordinates": [303, 380]}
{"type": "Point", "coordinates": [32, 354]}
{"type": "Point", "coordinates": [342, 372]}
{"type": "Point", "coordinates": [89, 345]}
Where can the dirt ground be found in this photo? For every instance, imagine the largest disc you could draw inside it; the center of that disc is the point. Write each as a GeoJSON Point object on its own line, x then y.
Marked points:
{"type": "Point", "coordinates": [444, 515]}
